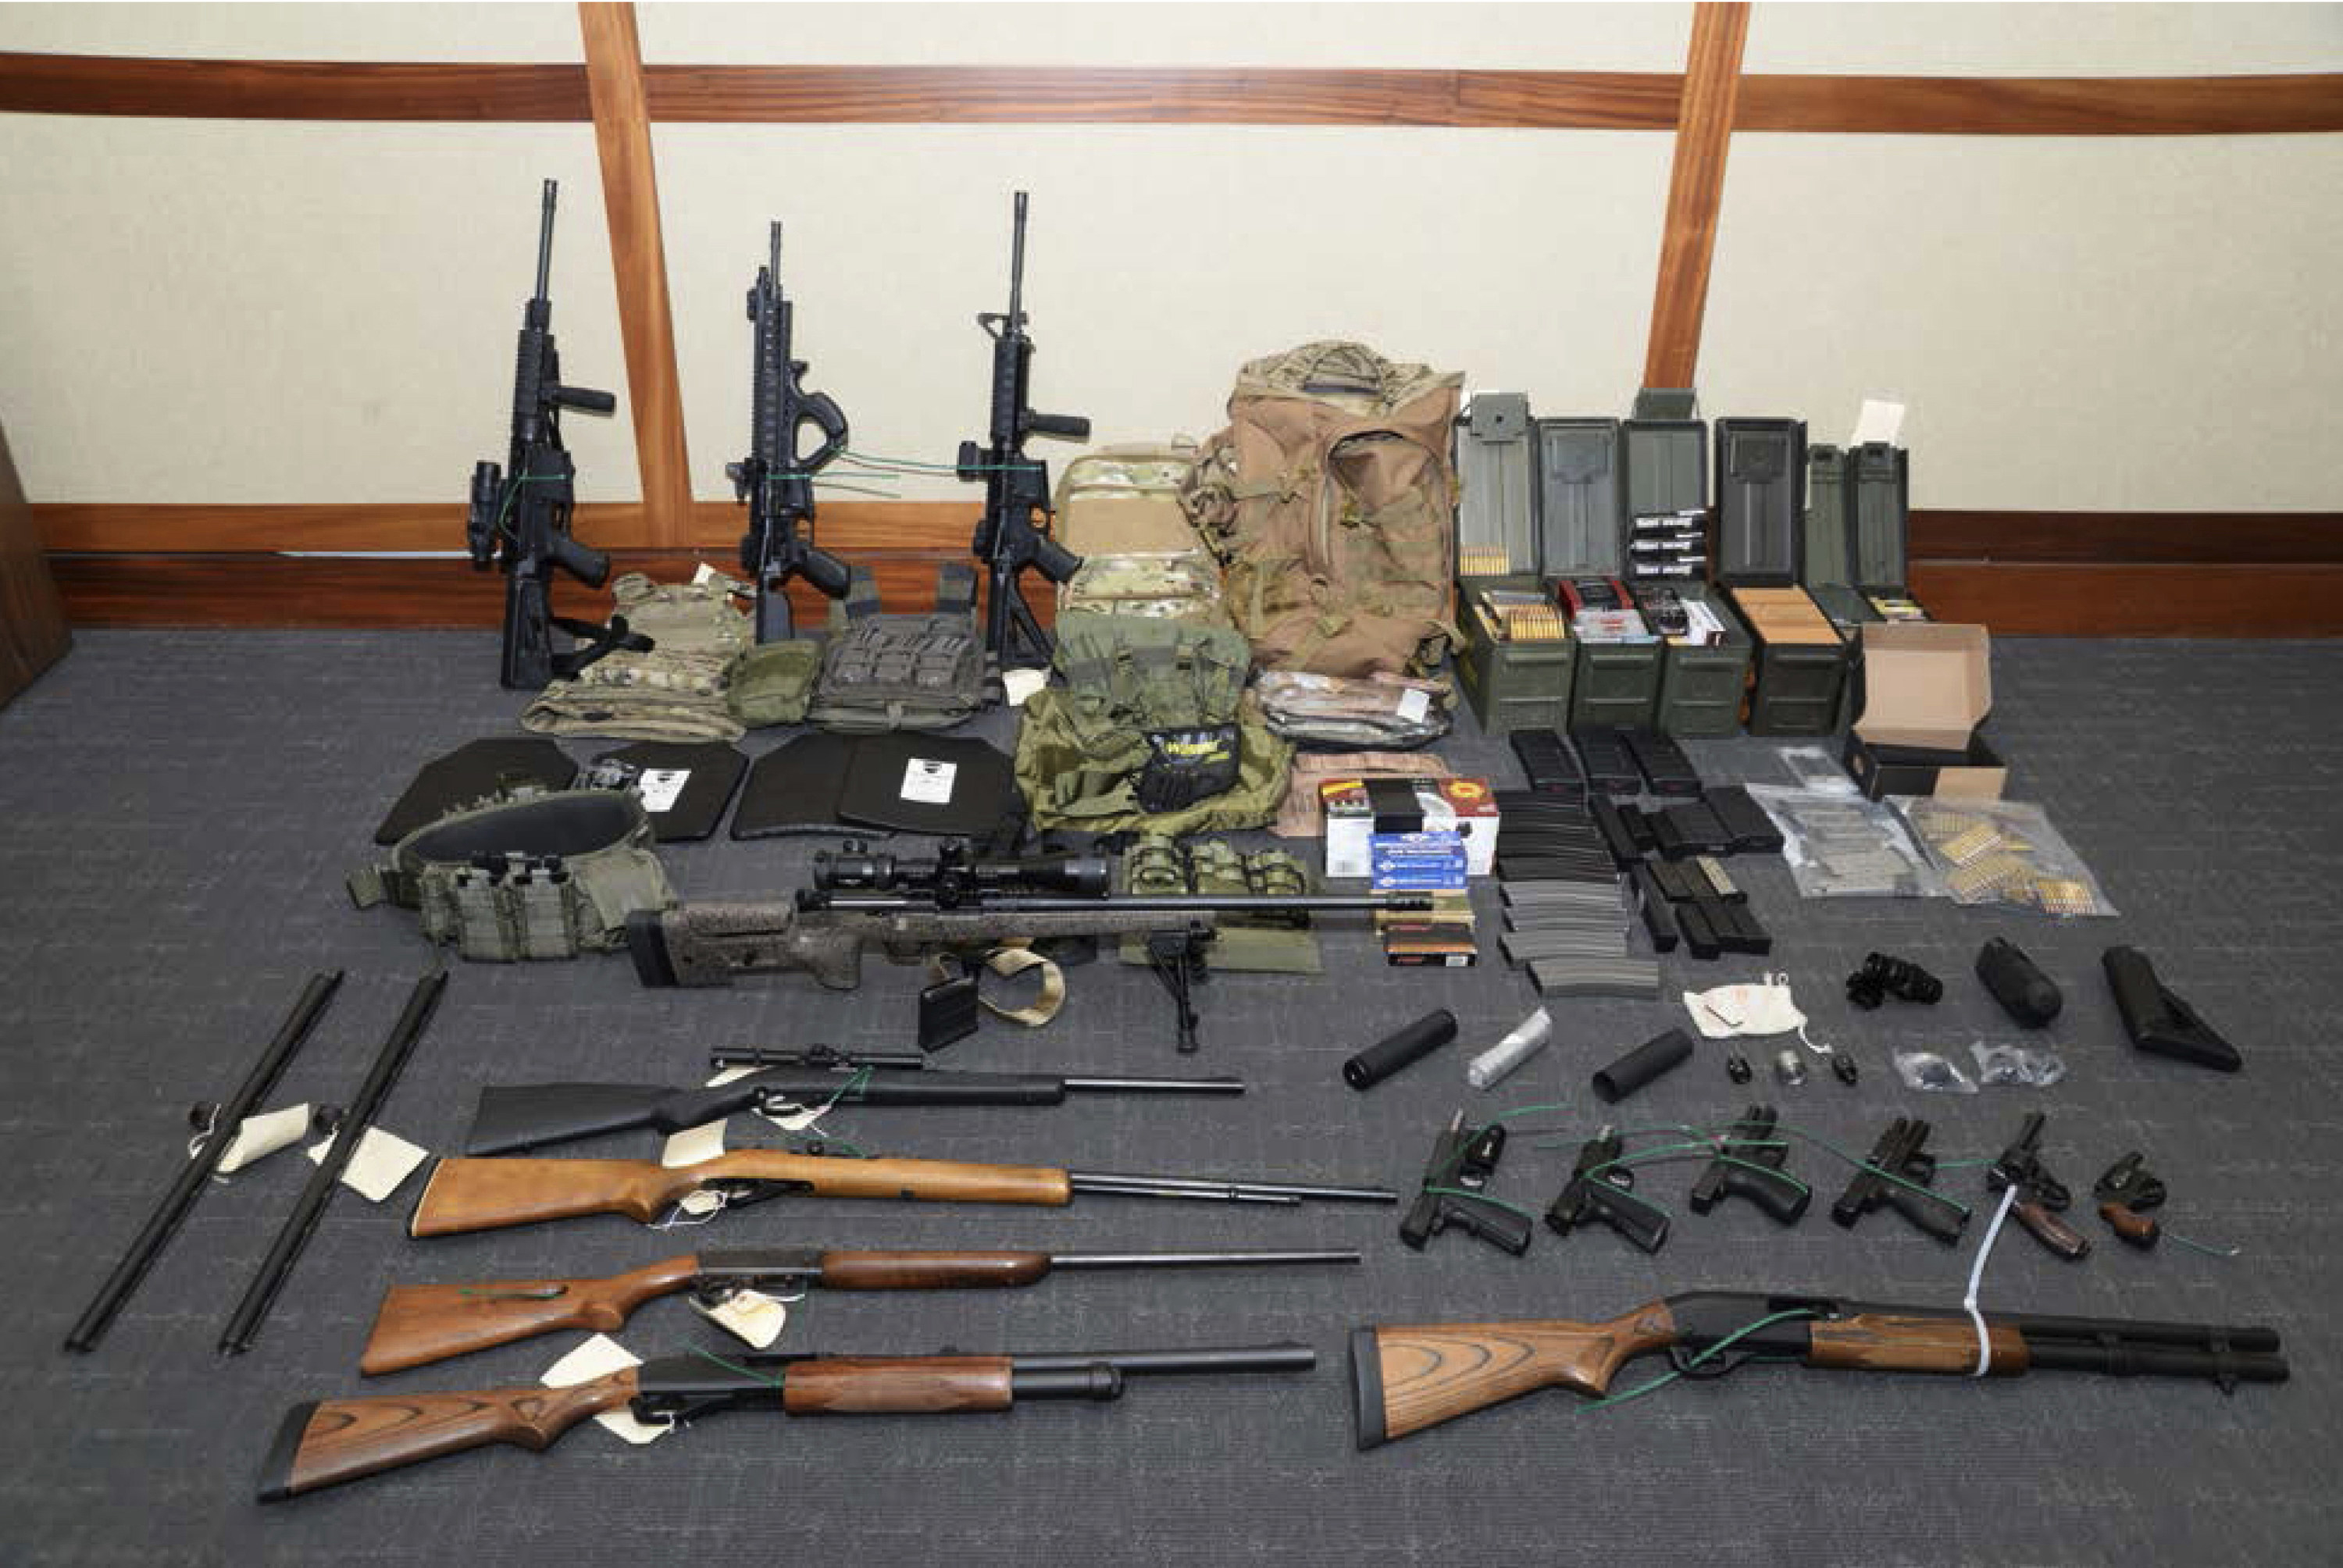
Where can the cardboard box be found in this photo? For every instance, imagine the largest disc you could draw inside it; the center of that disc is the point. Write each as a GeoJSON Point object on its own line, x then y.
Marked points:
{"type": "Point", "coordinates": [1359, 808]}
{"type": "Point", "coordinates": [1926, 688]}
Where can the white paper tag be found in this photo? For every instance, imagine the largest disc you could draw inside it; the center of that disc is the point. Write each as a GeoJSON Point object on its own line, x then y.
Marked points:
{"type": "Point", "coordinates": [659, 787]}
{"type": "Point", "coordinates": [1413, 704]}
{"type": "Point", "coordinates": [754, 1316]}
{"type": "Point", "coordinates": [383, 1160]}
{"type": "Point", "coordinates": [1880, 420]}
{"type": "Point", "coordinates": [694, 1144]}
{"type": "Point", "coordinates": [261, 1136]}
{"type": "Point", "coordinates": [704, 575]}
{"type": "Point", "coordinates": [928, 782]}
{"type": "Point", "coordinates": [599, 1357]}
{"type": "Point", "coordinates": [794, 1118]}
{"type": "Point", "coordinates": [701, 1204]}
{"type": "Point", "coordinates": [1016, 684]}
{"type": "Point", "coordinates": [729, 1073]}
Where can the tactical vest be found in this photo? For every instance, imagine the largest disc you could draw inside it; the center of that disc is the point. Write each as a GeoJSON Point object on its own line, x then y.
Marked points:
{"type": "Point", "coordinates": [675, 691]}
{"type": "Point", "coordinates": [1146, 732]}
{"type": "Point", "coordinates": [883, 672]}
{"type": "Point", "coordinates": [531, 874]}
{"type": "Point", "coordinates": [1255, 942]}
{"type": "Point", "coordinates": [1332, 506]}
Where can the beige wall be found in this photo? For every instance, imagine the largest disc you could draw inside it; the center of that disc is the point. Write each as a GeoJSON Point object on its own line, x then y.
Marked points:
{"type": "Point", "coordinates": [227, 312]}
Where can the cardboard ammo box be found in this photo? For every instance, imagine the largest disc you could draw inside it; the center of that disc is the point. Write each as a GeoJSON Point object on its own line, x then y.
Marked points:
{"type": "Point", "coordinates": [1926, 689]}
{"type": "Point", "coordinates": [1800, 659]}
{"type": "Point", "coordinates": [1358, 810]}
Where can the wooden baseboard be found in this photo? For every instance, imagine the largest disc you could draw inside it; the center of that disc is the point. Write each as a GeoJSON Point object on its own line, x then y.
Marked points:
{"type": "Point", "coordinates": [2199, 574]}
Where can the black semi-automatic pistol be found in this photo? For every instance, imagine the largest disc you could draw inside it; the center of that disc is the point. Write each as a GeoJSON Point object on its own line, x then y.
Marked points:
{"type": "Point", "coordinates": [1599, 1189]}
{"type": "Point", "coordinates": [1462, 1163]}
{"type": "Point", "coordinates": [1748, 1164]}
{"type": "Point", "coordinates": [1897, 1174]}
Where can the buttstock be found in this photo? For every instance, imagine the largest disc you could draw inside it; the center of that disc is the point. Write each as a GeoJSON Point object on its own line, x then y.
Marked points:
{"type": "Point", "coordinates": [490, 1194]}
{"type": "Point", "coordinates": [419, 1324]}
{"type": "Point", "coordinates": [327, 1442]}
{"type": "Point", "coordinates": [1409, 1378]}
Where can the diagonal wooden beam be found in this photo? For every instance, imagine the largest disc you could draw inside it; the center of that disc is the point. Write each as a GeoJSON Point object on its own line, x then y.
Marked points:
{"type": "Point", "coordinates": [1703, 131]}
{"type": "Point", "coordinates": [622, 133]}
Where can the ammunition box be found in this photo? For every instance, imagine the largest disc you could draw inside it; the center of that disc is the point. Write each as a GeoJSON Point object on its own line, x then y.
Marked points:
{"type": "Point", "coordinates": [1512, 685]}
{"type": "Point", "coordinates": [1582, 488]}
{"type": "Point", "coordinates": [1829, 521]}
{"type": "Point", "coordinates": [1701, 688]}
{"type": "Point", "coordinates": [1496, 505]}
{"type": "Point", "coordinates": [1800, 657]}
{"type": "Point", "coordinates": [1878, 479]}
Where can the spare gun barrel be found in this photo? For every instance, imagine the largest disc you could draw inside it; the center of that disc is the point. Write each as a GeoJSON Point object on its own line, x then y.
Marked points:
{"type": "Point", "coordinates": [1231, 1191]}
{"type": "Point", "coordinates": [196, 1175]}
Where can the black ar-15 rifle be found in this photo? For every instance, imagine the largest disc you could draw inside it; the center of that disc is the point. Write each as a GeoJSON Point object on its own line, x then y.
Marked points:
{"type": "Point", "coordinates": [776, 478]}
{"type": "Point", "coordinates": [1015, 486]}
{"type": "Point", "coordinates": [519, 519]}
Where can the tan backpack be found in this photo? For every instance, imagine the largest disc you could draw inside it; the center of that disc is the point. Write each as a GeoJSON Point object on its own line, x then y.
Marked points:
{"type": "Point", "coordinates": [1331, 503]}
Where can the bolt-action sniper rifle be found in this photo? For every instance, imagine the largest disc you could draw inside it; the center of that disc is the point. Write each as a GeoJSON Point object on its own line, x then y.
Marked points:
{"type": "Point", "coordinates": [328, 1441]}
{"type": "Point", "coordinates": [1015, 486]}
{"type": "Point", "coordinates": [776, 478]}
{"type": "Point", "coordinates": [418, 1324]}
{"type": "Point", "coordinates": [519, 518]}
{"type": "Point", "coordinates": [516, 1117]}
{"type": "Point", "coordinates": [1407, 1379]}
{"type": "Point", "coordinates": [824, 934]}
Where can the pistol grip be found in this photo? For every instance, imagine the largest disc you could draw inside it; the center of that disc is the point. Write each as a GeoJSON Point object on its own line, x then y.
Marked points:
{"type": "Point", "coordinates": [1780, 1197]}
{"type": "Point", "coordinates": [1642, 1221]}
{"type": "Point", "coordinates": [1938, 1216]}
{"type": "Point", "coordinates": [1500, 1228]}
{"type": "Point", "coordinates": [2062, 1239]}
{"type": "Point", "coordinates": [2131, 1227]}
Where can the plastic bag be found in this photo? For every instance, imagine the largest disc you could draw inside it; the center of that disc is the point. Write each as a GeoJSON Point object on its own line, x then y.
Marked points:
{"type": "Point", "coordinates": [1815, 769]}
{"type": "Point", "coordinates": [2016, 1066]}
{"type": "Point", "coordinates": [1927, 1069]}
{"type": "Point", "coordinates": [2002, 852]}
{"type": "Point", "coordinates": [1841, 846]}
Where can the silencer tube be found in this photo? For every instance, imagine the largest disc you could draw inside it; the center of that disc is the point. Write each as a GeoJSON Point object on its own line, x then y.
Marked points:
{"type": "Point", "coordinates": [2027, 995]}
{"type": "Point", "coordinates": [1388, 1055]}
{"type": "Point", "coordinates": [1661, 1053]}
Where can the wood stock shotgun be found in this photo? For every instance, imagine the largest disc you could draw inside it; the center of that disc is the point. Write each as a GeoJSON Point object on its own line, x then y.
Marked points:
{"type": "Point", "coordinates": [1407, 1379]}
{"type": "Point", "coordinates": [422, 1323]}
{"type": "Point", "coordinates": [326, 1442]}
{"type": "Point", "coordinates": [490, 1194]}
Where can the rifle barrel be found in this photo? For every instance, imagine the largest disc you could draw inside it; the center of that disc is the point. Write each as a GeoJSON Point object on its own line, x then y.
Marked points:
{"type": "Point", "coordinates": [544, 242]}
{"type": "Point", "coordinates": [1199, 1260]}
{"type": "Point", "coordinates": [1229, 1191]}
{"type": "Point", "coordinates": [1283, 1357]}
{"type": "Point", "coordinates": [1153, 1085]}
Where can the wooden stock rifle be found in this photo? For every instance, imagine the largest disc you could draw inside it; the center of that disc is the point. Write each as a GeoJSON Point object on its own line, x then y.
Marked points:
{"type": "Point", "coordinates": [490, 1194]}
{"type": "Point", "coordinates": [325, 1443]}
{"type": "Point", "coordinates": [1407, 1379]}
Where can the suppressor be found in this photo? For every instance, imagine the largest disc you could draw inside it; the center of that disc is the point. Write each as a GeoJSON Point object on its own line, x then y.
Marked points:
{"type": "Point", "coordinates": [1388, 1055]}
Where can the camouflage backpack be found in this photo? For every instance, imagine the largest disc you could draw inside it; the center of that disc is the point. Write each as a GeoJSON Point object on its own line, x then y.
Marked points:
{"type": "Point", "coordinates": [1146, 733]}
{"type": "Point", "coordinates": [1330, 503]}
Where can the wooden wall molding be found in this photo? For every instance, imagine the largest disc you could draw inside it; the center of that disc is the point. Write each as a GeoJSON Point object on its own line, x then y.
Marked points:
{"type": "Point", "coordinates": [2042, 106]}
{"type": "Point", "coordinates": [914, 95]}
{"type": "Point", "coordinates": [2230, 574]}
{"type": "Point", "coordinates": [622, 135]}
{"type": "Point", "coordinates": [1696, 190]}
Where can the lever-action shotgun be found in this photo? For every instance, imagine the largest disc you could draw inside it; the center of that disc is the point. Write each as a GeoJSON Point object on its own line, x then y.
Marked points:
{"type": "Point", "coordinates": [512, 1118]}
{"type": "Point", "coordinates": [1407, 1379]}
{"type": "Point", "coordinates": [422, 1323]}
{"type": "Point", "coordinates": [333, 1441]}
{"type": "Point", "coordinates": [490, 1194]}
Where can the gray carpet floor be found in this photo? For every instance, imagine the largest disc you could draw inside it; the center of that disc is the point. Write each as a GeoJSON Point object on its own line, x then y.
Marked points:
{"type": "Point", "coordinates": [177, 812]}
